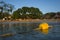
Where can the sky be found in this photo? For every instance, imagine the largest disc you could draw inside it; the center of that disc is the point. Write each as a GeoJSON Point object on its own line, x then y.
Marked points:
{"type": "Point", "coordinates": [44, 5]}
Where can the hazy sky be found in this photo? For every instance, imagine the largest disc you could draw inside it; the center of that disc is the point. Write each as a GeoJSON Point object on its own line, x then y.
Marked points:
{"type": "Point", "coordinates": [44, 5]}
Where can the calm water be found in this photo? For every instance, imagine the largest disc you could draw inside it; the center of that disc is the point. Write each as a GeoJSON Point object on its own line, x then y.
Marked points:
{"type": "Point", "coordinates": [25, 31]}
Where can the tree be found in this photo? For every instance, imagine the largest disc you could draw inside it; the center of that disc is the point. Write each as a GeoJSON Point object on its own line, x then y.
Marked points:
{"type": "Point", "coordinates": [16, 15]}
{"type": "Point", "coordinates": [49, 15]}
{"type": "Point", "coordinates": [36, 13]}
{"type": "Point", "coordinates": [0, 15]}
{"type": "Point", "coordinates": [27, 12]}
{"type": "Point", "coordinates": [4, 7]}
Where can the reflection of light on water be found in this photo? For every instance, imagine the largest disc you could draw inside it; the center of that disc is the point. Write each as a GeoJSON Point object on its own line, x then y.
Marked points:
{"type": "Point", "coordinates": [44, 31]}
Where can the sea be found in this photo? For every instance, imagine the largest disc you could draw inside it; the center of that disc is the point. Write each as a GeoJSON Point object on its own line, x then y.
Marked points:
{"type": "Point", "coordinates": [26, 31]}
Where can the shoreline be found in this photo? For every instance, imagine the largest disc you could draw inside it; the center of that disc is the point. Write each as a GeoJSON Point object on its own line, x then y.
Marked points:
{"type": "Point", "coordinates": [32, 20]}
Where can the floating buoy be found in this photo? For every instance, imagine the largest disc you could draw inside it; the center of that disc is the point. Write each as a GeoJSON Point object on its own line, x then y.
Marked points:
{"type": "Point", "coordinates": [43, 26]}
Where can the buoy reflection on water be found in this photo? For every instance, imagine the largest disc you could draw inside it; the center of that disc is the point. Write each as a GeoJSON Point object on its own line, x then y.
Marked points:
{"type": "Point", "coordinates": [44, 31]}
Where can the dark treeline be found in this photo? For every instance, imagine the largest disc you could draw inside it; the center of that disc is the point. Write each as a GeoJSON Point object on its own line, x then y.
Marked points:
{"type": "Point", "coordinates": [25, 12]}
{"type": "Point", "coordinates": [34, 13]}
{"type": "Point", "coordinates": [51, 15]}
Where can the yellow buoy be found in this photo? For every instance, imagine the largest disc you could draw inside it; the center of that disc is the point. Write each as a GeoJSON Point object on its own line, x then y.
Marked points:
{"type": "Point", "coordinates": [44, 26]}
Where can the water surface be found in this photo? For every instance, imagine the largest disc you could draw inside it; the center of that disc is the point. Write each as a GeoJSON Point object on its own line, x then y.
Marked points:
{"type": "Point", "coordinates": [25, 31]}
